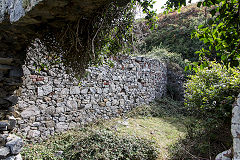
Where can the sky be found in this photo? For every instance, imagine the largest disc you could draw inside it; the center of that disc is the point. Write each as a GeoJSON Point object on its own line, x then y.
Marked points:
{"type": "Point", "coordinates": [160, 3]}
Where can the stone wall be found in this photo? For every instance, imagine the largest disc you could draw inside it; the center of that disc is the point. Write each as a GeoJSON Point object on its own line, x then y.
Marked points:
{"type": "Point", "coordinates": [234, 152]}
{"type": "Point", "coordinates": [10, 80]}
{"type": "Point", "coordinates": [235, 129]}
{"type": "Point", "coordinates": [52, 100]}
{"type": "Point", "coordinates": [47, 104]}
{"type": "Point", "coordinates": [175, 81]}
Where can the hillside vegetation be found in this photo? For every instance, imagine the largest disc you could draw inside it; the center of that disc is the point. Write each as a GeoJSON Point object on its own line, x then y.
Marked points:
{"type": "Point", "coordinates": [173, 32]}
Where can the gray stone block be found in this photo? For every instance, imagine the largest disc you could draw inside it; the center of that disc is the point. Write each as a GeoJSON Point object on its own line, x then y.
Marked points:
{"type": "Point", "coordinates": [236, 114]}
{"type": "Point", "coordinates": [4, 151]}
{"type": "Point", "coordinates": [12, 122]}
{"type": "Point", "coordinates": [4, 125]}
{"type": "Point", "coordinates": [15, 144]}
{"type": "Point", "coordinates": [75, 90]}
{"type": "Point", "coordinates": [34, 134]}
{"type": "Point", "coordinates": [17, 157]}
{"type": "Point", "coordinates": [84, 91]}
{"type": "Point", "coordinates": [30, 112]}
{"type": "Point", "coordinates": [61, 126]}
{"type": "Point", "coordinates": [236, 148]}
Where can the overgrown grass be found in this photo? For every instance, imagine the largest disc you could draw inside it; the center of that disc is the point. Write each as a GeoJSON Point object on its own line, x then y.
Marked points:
{"type": "Point", "coordinates": [198, 139]}
{"type": "Point", "coordinates": [163, 130]}
{"type": "Point", "coordinates": [149, 135]}
{"type": "Point", "coordinates": [92, 143]}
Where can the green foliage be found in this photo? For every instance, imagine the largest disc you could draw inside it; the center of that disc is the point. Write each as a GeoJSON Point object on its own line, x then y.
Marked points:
{"type": "Point", "coordinates": [174, 33]}
{"type": "Point", "coordinates": [91, 144]}
{"type": "Point", "coordinates": [212, 90]}
{"type": "Point", "coordinates": [175, 4]}
{"type": "Point", "coordinates": [209, 96]}
{"type": "Point", "coordinates": [90, 39]}
{"type": "Point", "coordinates": [204, 140]}
{"type": "Point", "coordinates": [105, 145]}
{"type": "Point", "coordinates": [222, 33]}
{"type": "Point", "coordinates": [147, 6]}
{"type": "Point", "coordinates": [164, 55]}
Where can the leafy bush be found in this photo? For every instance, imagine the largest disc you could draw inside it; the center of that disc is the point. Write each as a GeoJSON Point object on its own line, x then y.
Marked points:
{"type": "Point", "coordinates": [213, 90]}
{"type": "Point", "coordinates": [91, 144]}
{"type": "Point", "coordinates": [209, 95]}
{"type": "Point", "coordinates": [175, 39]}
{"type": "Point", "coordinates": [164, 55]}
{"type": "Point", "coordinates": [203, 140]}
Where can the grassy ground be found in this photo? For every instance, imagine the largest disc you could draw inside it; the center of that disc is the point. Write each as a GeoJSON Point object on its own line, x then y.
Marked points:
{"type": "Point", "coordinates": [165, 132]}
{"type": "Point", "coordinates": [161, 123]}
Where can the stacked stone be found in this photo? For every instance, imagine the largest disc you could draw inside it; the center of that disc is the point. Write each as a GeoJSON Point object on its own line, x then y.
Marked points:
{"type": "Point", "coordinates": [53, 101]}
{"type": "Point", "coordinates": [234, 152]}
{"type": "Point", "coordinates": [175, 81]}
{"type": "Point", "coordinates": [10, 79]}
{"type": "Point", "coordinates": [236, 129]}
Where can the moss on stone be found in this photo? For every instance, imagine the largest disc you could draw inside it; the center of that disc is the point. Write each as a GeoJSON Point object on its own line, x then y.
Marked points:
{"type": "Point", "coordinates": [26, 3]}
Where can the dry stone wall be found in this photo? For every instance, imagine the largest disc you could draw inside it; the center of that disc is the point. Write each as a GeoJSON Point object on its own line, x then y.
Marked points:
{"type": "Point", "coordinates": [10, 80]}
{"type": "Point", "coordinates": [234, 152]}
{"type": "Point", "coordinates": [53, 101]}
{"type": "Point", "coordinates": [235, 129]}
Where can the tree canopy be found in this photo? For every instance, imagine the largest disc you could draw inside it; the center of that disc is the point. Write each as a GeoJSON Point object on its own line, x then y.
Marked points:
{"type": "Point", "coordinates": [221, 33]}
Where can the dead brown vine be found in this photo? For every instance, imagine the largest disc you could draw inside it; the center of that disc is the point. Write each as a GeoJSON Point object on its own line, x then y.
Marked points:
{"type": "Point", "coordinates": [80, 43]}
